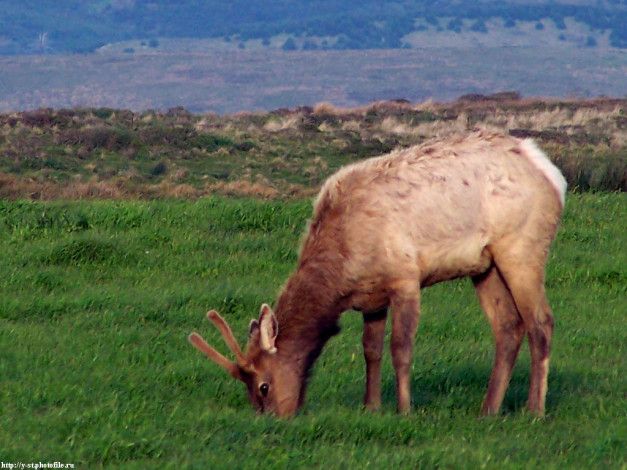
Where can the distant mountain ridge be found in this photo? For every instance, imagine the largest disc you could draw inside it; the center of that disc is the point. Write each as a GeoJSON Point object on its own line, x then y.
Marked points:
{"type": "Point", "coordinates": [79, 26]}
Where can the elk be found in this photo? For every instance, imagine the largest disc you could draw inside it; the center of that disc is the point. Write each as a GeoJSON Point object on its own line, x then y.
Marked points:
{"type": "Point", "coordinates": [484, 206]}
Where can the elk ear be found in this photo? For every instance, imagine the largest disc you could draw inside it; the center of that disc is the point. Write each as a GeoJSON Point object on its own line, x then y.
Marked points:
{"type": "Point", "coordinates": [268, 329]}
{"type": "Point", "coordinates": [253, 329]}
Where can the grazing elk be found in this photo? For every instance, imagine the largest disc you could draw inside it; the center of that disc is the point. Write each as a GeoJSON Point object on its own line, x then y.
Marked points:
{"type": "Point", "coordinates": [485, 206]}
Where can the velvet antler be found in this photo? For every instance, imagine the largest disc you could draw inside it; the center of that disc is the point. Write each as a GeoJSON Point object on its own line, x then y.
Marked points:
{"type": "Point", "coordinates": [232, 368]}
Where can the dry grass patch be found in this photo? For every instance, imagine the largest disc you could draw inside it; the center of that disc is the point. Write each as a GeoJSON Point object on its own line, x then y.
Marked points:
{"type": "Point", "coordinates": [107, 153]}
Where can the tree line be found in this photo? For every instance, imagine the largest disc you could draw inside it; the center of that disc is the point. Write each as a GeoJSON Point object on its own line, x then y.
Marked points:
{"type": "Point", "coordinates": [83, 26]}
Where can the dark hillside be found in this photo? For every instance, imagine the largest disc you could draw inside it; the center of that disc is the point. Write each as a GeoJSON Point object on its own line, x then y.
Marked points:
{"type": "Point", "coordinates": [81, 26]}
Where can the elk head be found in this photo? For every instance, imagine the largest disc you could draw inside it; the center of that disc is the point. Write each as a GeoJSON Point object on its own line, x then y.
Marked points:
{"type": "Point", "coordinates": [271, 380]}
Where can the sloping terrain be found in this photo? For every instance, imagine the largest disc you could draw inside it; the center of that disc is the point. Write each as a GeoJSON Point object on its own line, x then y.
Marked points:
{"type": "Point", "coordinates": [109, 153]}
{"type": "Point", "coordinates": [82, 26]}
{"type": "Point", "coordinates": [233, 80]}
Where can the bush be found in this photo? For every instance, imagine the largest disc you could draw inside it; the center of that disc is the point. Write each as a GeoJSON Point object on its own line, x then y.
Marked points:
{"type": "Point", "coordinates": [479, 27]}
{"type": "Point", "coordinates": [591, 42]}
{"type": "Point", "coordinates": [101, 137]}
{"type": "Point", "coordinates": [455, 25]}
{"type": "Point", "coordinates": [591, 170]}
{"type": "Point", "coordinates": [160, 168]}
{"type": "Point", "coordinates": [289, 44]}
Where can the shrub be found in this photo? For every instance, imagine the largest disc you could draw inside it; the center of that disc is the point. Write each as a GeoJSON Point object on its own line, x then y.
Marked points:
{"type": "Point", "coordinates": [101, 137]}
{"type": "Point", "coordinates": [591, 42]}
{"type": "Point", "coordinates": [289, 44]}
{"type": "Point", "coordinates": [479, 27]}
{"type": "Point", "coordinates": [160, 168]}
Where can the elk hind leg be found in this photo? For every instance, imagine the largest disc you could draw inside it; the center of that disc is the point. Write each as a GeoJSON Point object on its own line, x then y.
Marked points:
{"type": "Point", "coordinates": [540, 334]}
{"type": "Point", "coordinates": [372, 341]}
{"type": "Point", "coordinates": [526, 285]}
{"type": "Point", "coordinates": [508, 330]}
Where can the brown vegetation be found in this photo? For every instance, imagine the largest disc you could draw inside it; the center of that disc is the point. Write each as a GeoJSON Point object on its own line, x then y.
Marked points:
{"type": "Point", "coordinates": [109, 153]}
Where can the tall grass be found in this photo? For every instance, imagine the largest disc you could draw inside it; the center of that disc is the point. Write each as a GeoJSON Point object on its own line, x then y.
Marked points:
{"type": "Point", "coordinates": [96, 300]}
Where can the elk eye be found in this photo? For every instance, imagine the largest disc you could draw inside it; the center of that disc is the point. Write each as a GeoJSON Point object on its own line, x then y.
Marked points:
{"type": "Point", "coordinates": [263, 388]}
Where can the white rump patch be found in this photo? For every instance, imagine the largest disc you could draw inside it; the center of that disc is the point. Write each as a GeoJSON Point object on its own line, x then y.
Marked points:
{"type": "Point", "coordinates": [542, 162]}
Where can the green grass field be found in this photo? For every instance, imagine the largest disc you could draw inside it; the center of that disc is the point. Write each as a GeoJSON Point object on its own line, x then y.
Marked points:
{"type": "Point", "coordinates": [97, 299]}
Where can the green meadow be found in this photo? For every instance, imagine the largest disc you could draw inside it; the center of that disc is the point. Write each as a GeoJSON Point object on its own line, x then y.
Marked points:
{"type": "Point", "coordinates": [97, 299]}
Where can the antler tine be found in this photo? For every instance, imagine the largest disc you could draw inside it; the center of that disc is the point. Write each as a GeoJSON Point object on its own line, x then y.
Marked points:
{"type": "Point", "coordinates": [214, 355]}
{"type": "Point", "coordinates": [230, 340]}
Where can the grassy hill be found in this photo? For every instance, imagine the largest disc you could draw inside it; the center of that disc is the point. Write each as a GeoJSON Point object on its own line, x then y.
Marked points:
{"type": "Point", "coordinates": [109, 153]}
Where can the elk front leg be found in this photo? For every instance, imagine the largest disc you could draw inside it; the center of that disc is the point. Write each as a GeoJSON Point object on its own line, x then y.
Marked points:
{"type": "Point", "coordinates": [372, 341]}
{"type": "Point", "coordinates": [405, 306]}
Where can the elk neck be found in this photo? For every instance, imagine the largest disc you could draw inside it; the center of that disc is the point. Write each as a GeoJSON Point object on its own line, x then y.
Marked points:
{"type": "Point", "coordinates": [307, 312]}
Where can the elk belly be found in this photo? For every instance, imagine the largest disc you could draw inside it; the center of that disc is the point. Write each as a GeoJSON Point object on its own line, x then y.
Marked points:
{"type": "Point", "coordinates": [465, 259]}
